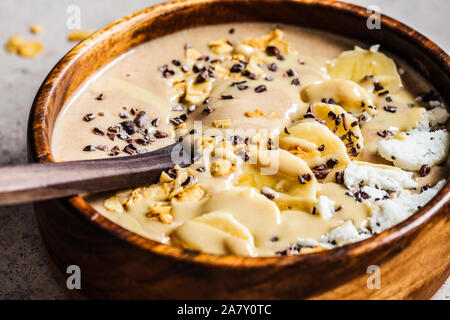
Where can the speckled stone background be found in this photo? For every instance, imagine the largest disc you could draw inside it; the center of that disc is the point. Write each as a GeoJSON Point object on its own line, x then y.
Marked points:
{"type": "Point", "coordinates": [24, 272]}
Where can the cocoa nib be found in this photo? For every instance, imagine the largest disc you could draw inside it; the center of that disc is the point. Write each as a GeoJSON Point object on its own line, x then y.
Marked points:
{"type": "Point", "coordinates": [114, 128]}
{"type": "Point", "coordinates": [89, 117]}
{"type": "Point", "coordinates": [142, 142]}
{"type": "Point", "coordinates": [302, 178]}
{"type": "Point", "coordinates": [141, 119]}
{"type": "Point", "coordinates": [134, 111]}
{"type": "Point", "coordinates": [309, 114]}
{"type": "Point", "coordinates": [321, 174]}
{"type": "Point", "coordinates": [207, 100]}
{"type": "Point", "coordinates": [202, 76]}
{"type": "Point", "coordinates": [237, 67]}
{"type": "Point", "coordinates": [424, 170]}
{"type": "Point", "coordinates": [128, 126]}
{"type": "Point", "coordinates": [385, 133]}
{"type": "Point", "coordinates": [160, 134]}
{"type": "Point", "coordinates": [208, 110]}
{"type": "Point", "coordinates": [272, 51]}
{"type": "Point", "coordinates": [176, 121]}
{"type": "Point", "coordinates": [114, 151]}
{"type": "Point", "coordinates": [155, 122]}
{"type": "Point", "coordinates": [332, 162]}
{"type": "Point", "coordinates": [237, 83]}
{"type": "Point", "coordinates": [274, 239]}
{"type": "Point", "coordinates": [295, 82]}
{"type": "Point", "coordinates": [291, 73]}
{"type": "Point", "coordinates": [331, 115]}
{"type": "Point", "coordinates": [260, 88]}
{"type": "Point", "coordinates": [89, 147]}
{"type": "Point", "coordinates": [98, 131]}
{"type": "Point", "coordinates": [272, 67]}
{"type": "Point", "coordinates": [377, 86]}
{"type": "Point", "coordinates": [130, 149]}
{"type": "Point", "coordinates": [172, 173]}
{"type": "Point", "coordinates": [111, 136]}
{"type": "Point", "coordinates": [292, 250]}
{"type": "Point", "coordinates": [361, 195]}
{"type": "Point", "coordinates": [339, 176]}
{"type": "Point", "coordinates": [124, 115]}
{"type": "Point", "coordinates": [391, 109]}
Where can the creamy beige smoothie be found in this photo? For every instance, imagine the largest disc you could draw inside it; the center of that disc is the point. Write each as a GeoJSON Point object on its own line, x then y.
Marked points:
{"type": "Point", "coordinates": [305, 140]}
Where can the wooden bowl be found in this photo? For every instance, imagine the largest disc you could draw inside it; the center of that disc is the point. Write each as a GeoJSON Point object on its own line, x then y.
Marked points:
{"type": "Point", "coordinates": [116, 263]}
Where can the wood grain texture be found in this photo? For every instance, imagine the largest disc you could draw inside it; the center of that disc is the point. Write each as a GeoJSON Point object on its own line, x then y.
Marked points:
{"type": "Point", "coordinates": [117, 263]}
{"type": "Point", "coordinates": [50, 180]}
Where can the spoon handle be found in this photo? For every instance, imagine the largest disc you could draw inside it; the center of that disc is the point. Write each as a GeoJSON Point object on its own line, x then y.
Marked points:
{"type": "Point", "coordinates": [41, 181]}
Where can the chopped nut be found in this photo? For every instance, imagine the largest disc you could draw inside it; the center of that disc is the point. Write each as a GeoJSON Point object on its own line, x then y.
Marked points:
{"type": "Point", "coordinates": [14, 43]}
{"type": "Point", "coordinates": [37, 28]}
{"type": "Point", "coordinates": [255, 113]}
{"type": "Point", "coordinates": [79, 35]}
{"type": "Point", "coordinates": [222, 123]}
{"type": "Point", "coordinates": [160, 211]}
{"type": "Point", "coordinates": [220, 46]}
{"type": "Point", "coordinates": [221, 167]}
{"type": "Point", "coordinates": [113, 204]}
{"type": "Point", "coordinates": [191, 193]}
{"type": "Point", "coordinates": [136, 195]}
{"type": "Point", "coordinates": [166, 218]}
{"type": "Point", "coordinates": [30, 49]}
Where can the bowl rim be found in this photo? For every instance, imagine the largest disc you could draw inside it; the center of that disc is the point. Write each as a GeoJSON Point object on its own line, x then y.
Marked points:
{"type": "Point", "coordinates": [40, 151]}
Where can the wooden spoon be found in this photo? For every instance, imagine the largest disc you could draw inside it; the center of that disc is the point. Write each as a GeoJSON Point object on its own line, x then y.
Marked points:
{"type": "Point", "coordinates": [41, 181]}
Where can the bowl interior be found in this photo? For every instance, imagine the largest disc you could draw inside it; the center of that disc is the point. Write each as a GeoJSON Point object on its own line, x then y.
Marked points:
{"type": "Point", "coordinates": [335, 17]}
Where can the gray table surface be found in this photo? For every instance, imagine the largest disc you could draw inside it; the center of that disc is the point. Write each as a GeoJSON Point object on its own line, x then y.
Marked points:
{"type": "Point", "coordinates": [24, 272]}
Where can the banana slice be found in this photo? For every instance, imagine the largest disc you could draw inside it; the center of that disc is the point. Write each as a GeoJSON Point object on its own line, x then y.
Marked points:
{"type": "Point", "coordinates": [226, 223]}
{"type": "Point", "coordinates": [359, 63]}
{"type": "Point", "coordinates": [215, 232]}
{"type": "Point", "coordinates": [290, 185]}
{"type": "Point", "coordinates": [352, 97]}
{"type": "Point", "coordinates": [342, 124]}
{"type": "Point", "coordinates": [329, 154]}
